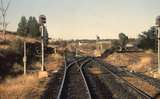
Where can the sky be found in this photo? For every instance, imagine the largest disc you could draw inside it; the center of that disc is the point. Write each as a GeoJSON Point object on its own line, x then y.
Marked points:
{"type": "Point", "coordinates": [84, 19]}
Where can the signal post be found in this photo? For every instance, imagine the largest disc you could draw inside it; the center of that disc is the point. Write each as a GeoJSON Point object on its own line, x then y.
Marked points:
{"type": "Point", "coordinates": [42, 22]}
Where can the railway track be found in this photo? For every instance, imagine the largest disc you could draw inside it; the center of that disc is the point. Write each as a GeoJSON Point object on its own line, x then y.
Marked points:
{"type": "Point", "coordinates": [152, 82]}
{"type": "Point", "coordinates": [128, 90]}
{"type": "Point", "coordinates": [78, 83]}
{"type": "Point", "coordinates": [74, 85]}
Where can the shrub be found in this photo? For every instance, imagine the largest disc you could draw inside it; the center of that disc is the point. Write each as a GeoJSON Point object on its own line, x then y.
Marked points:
{"type": "Point", "coordinates": [17, 46]}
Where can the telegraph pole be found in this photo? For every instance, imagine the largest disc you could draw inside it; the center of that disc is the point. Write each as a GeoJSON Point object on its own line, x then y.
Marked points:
{"type": "Point", "coordinates": [158, 28]}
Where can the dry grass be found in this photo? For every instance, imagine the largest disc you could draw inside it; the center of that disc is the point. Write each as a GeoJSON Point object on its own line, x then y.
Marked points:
{"type": "Point", "coordinates": [154, 74]}
{"type": "Point", "coordinates": [122, 59]}
{"type": "Point", "coordinates": [144, 64]}
{"type": "Point", "coordinates": [23, 87]}
{"type": "Point", "coordinates": [138, 62]}
{"type": "Point", "coordinates": [144, 86]}
{"type": "Point", "coordinates": [4, 47]}
{"type": "Point", "coordinates": [54, 62]}
{"type": "Point", "coordinates": [12, 37]}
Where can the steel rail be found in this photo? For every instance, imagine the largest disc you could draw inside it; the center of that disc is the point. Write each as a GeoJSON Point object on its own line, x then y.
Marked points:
{"type": "Point", "coordinates": [133, 74]}
{"type": "Point", "coordinates": [84, 79]}
{"type": "Point", "coordinates": [126, 82]}
{"type": "Point", "coordinates": [64, 77]}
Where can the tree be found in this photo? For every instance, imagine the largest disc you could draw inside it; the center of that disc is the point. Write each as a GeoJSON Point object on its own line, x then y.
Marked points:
{"type": "Point", "coordinates": [22, 26]}
{"type": "Point", "coordinates": [123, 40]}
{"type": "Point", "coordinates": [3, 10]}
{"type": "Point", "coordinates": [33, 27]}
{"type": "Point", "coordinates": [115, 44]}
{"type": "Point", "coordinates": [147, 39]}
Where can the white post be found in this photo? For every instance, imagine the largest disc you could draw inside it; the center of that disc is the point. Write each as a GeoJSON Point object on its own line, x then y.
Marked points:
{"type": "Point", "coordinates": [42, 42]}
{"type": "Point", "coordinates": [158, 49]}
{"type": "Point", "coordinates": [25, 58]}
{"type": "Point", "coordinates": [55, 50]}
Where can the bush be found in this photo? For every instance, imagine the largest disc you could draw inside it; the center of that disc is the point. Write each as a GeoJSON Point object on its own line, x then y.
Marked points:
{"type": "Point", "coordinates": [17, 68]}
{"type": "Point", "coordinates": [148, 39]}
{"type": "Point", "coordinates": [115, 44]}
{"type": "Point", "coordinates": [4, 42]}
{"type": "Point", "coordinates": [17, 46]}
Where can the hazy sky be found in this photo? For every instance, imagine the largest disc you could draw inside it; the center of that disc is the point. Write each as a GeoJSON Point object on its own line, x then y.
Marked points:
{"type": "Point", "coordinates": [87, 18]}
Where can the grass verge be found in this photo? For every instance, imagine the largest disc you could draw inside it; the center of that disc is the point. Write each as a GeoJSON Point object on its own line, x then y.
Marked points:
{"type": "Point", "coordinates": [22, 87]}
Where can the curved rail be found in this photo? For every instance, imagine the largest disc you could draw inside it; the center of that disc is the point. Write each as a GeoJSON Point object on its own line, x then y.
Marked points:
{"type": "Point", "coordinates": [65, 73]}
{"type": "Point", "coordinates": [81, 66]}
{"type": "Point", "coordinates": [126, 82]}
{"type": "Point", "coordinates": [64, 76]}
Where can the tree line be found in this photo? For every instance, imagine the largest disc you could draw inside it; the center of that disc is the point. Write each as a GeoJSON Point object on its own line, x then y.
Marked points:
{"type": "Point", "coordinates": [28, 27]}
{"type": "Point", "coordinates": [146, 40]}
